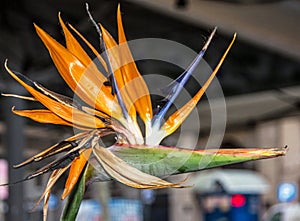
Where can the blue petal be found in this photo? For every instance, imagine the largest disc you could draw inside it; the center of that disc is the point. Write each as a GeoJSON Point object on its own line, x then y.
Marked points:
{"type": "Point", "coordinates": [174, 88]}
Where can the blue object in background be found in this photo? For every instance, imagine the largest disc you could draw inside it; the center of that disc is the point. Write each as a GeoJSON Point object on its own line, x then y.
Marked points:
{"type": "Point", "coordinates": [231, 207]}
{"type": "Point", "coordinates": [125, 209]}
{"type": "Point", "coordinates": [246, 207]}
{"type": "Point", "coordinates": [120, 209]}
{"type": "Point", "coordinates": [287, 192]}
{"type": "Point", "coordinates": [53, 202]}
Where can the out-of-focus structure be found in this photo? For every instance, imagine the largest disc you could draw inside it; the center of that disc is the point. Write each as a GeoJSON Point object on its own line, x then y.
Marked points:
{"type": "Point", "coordinates": [260, 80]}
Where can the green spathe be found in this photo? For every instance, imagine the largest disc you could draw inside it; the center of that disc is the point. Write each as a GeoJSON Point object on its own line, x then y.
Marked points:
{"type": "Point", "coordinates": [162, 161]}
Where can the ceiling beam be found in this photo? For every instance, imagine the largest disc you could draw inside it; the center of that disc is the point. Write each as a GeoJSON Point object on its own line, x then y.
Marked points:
{"type": "Point", "coordinates": [273, 26]}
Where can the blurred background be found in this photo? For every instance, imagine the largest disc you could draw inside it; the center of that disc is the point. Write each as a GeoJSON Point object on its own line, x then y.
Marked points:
{"type": "Point", "coordinates": [260, 80]}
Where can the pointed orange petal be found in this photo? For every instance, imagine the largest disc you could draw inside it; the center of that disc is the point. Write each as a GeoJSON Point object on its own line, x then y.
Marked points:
{"type": "Point", "coordinates": [176, 119]}
{"type": "Point", "coordinates": [90, 46]}
{"type": "Point", "coordinates": [62, 58]}
{"type": "Point", "coordinates": [114, 57]}
{"type": "Point", "coordinates": [66, 112]}
{"type": "Point", "coordinates": [42, 116]}
{"type": "Point", "coordinates": [135, 84]}
{"type": "Point", "coordinates": [73, 46]}
{"type": "Point", "coordinates": [75, 171]}
{"type": "Point", "coordinates": [81, 79]}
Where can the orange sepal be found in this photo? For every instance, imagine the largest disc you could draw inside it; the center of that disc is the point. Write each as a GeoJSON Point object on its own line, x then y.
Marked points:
{"type": "Point", "coordinates": [114, 57]}
{"type": "Point", "coordinates": [90, 47]}
{"type": "Point", "coordinates": [80, 78]}
{"type": "Point", "coordinates": [75, 48]}
{"type": "Point", "coordinates": [66, 112]}
{"type": "Point", "coordinates": [42, 116]}
{"type": "Point", "coordinates": [73, 45]}
{"type": "Point", "coordinates": [75, 171]}
{"type": "Point", "coordinates": [135, 84]}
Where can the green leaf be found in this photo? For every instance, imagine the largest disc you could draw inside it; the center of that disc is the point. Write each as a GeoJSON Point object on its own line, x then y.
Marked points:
{"type": "Point", "coordinates": [74, 200]}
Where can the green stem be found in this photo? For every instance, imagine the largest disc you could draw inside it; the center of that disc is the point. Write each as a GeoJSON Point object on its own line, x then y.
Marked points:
{"type": "Point", "coordinates": [71, 208]}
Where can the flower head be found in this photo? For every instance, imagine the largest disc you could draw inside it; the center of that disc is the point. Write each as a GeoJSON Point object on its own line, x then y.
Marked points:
{"type": "Point", "coordinates": [114, 97]}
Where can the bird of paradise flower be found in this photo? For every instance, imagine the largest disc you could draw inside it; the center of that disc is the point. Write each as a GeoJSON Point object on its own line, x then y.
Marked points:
{"type": "Point", "coordinates": [113, 107]}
